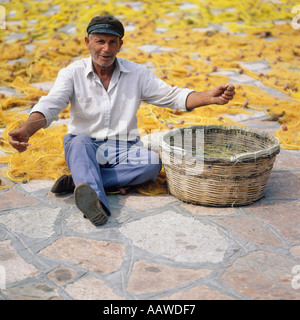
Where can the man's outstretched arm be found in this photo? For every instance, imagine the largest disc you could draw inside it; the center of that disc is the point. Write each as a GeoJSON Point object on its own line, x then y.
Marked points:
{"type": "Point", "coordinates": [221, 94]}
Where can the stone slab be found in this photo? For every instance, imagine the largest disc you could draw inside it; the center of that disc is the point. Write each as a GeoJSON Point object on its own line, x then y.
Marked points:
{"type": "Point", "coordinates": [38, 291]}
{"type": "Point", "coordinates": [287, 160]}
{"type": "Point", "coordinates": [283, 185]}
{"type": "Point", "coordinates": [91, 288]}
{"type": "Point", "coordinates": [67, 199]}
{"type": "Point", "coordinates": [62, 275]}
{"type": "Point", "coordinates": [177, 237]}
{"type": "Point", "coordinates": [98, 256]}
{"type": "Point", "coordinates": [14, 266]}
{"type": "Point", "coordinates": [76, 222]}
{"type": "Point", "coordinates": [282, 216]}
{"type": "Point", "coordinates": [14, 198]}
{"type": "Point", "coordinates": [198, 293]}
{"type": "Point", "coordinates": [208, 211]}
{"type": "Point", "coordinates": [251, 230]}
{"type": "Point", "coordinates": [36, 185]}
{"type": "Point", "coordinates": [295, 251]}
{"type": "Point", "coordinates": [35, 223]}
{"type": "Point", "coordinates": [139, 202]}
{"type": "Point", "coordinates": [153, 277]}
{"type": "Point", "coordinates": [262, 275]}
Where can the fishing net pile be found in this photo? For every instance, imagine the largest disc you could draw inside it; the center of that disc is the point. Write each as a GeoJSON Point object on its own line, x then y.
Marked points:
{"type": "Point", "coordinates": [171, 39]}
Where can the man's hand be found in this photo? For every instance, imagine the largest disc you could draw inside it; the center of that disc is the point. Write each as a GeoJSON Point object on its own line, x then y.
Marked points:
{"type": "Point", "coordinates": [222, 94]}
{"type": "Point", "coordinates": [19, 139]}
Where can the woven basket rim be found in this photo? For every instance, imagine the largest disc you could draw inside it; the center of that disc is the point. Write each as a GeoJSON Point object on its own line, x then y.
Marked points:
{"type": "Point", "coordinates": [248, 156]}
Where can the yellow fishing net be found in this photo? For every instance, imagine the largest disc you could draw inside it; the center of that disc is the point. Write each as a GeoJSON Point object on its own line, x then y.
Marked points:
{"type": "Point", "coordinates": [34, 46]}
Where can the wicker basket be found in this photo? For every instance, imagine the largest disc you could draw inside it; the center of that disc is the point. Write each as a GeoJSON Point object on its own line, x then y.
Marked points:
{"type": "Point", "coordinates": [216, 165]}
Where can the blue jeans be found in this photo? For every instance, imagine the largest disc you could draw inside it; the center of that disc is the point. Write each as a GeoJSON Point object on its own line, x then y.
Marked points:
{"type": "Point", "coordinates": [128, 164]}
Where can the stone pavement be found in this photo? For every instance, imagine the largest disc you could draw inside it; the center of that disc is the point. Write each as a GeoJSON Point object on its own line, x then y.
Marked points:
{"type": "Point", "coordinates": [153, 247]}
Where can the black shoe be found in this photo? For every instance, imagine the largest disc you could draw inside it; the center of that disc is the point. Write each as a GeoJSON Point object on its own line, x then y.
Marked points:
{"type": "Point", "coordinates": [63, 184]}
{"type": "Point", "coordinates": [87, 202]}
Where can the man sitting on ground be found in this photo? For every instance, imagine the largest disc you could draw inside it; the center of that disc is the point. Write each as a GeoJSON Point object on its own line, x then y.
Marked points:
{"type": "Point", "coordinates": [105, 93]}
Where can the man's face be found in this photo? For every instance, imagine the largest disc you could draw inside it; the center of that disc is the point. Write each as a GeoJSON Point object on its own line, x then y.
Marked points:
{"type": "Point", "coordinates": [103, 48]}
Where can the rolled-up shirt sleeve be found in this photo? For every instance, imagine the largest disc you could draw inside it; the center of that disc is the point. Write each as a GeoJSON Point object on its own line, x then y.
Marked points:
{"type": "Point", "coordinates": [58, 97]}
{"type": "Point", "coordinates": [155, 91]}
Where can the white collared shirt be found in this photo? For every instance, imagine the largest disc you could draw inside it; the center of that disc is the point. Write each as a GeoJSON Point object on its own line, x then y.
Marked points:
{"type": "Point", "coordinates": [107, 114]}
